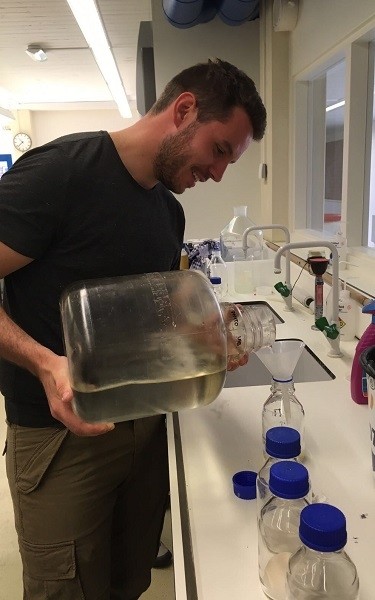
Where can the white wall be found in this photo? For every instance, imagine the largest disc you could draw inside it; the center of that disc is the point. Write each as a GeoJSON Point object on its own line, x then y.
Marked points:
{"type": "Point", "coordinates": [6, 140]}
{"type": "Point", "coordinates": [323, 26]}
{"type": "Point", "coordinates": [209, 206]}
{"type": "Point", "coordinates": [44, 126]}
{"type": "Point", "coordinates": [48, 125]}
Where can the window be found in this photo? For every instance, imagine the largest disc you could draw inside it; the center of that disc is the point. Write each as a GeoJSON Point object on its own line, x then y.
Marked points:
{"type": "Point", "coordinates": [332, 164]}
{"type": "Point", "coordinates": [333, 171]}
{"type": "Point", "coordinates": [326, 99]}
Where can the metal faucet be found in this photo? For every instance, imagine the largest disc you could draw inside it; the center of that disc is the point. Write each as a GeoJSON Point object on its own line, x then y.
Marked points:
{"type": "Point", "coordinates": [335, 343]}
{"type": "Point", "coordinates": [288, 299]}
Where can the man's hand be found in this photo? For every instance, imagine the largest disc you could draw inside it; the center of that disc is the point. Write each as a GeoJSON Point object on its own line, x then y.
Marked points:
{"type": "Point", "coordinates": [237, 361]}
{"type": "Point", "coordinates": [55, 380]}
{"type": "Point", "coordinates": [237, 357]}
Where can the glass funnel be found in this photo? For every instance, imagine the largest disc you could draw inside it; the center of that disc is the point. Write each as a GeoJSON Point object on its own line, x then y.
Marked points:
{"type": "Point", "coordinates": [281, 358]}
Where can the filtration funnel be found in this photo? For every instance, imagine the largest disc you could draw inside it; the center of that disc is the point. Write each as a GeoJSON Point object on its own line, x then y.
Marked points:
{"type": "Point", "coordinates": [281, 358]}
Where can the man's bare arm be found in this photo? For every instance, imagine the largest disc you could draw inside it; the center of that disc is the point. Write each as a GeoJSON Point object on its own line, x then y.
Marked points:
{"type": "Point", "coordinates": [19, 348]}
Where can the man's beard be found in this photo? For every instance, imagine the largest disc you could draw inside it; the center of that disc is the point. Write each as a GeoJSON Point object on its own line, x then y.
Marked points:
{"type": "Point", "coordinates": [172, 155]}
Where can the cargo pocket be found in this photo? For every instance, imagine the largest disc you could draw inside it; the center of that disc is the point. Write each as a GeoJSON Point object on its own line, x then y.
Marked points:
{"type": "Point", "coordinates": [50, 571]}
{"type": "Point", "coordinates": [34, 450]}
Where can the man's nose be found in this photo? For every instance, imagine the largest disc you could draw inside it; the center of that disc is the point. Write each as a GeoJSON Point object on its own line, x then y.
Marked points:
{"type": "Point", "coordinates": [217, 170]}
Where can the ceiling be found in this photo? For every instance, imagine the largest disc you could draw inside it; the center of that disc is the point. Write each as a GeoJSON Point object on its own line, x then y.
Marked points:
{"type": "Point", "coordinates": [70, 78]}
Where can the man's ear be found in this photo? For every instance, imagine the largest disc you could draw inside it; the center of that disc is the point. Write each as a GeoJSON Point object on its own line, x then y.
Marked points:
{"type": "Point", "coordinates": [185, 109]}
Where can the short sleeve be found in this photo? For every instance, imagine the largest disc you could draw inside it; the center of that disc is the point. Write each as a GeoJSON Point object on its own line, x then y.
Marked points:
{"type": "Point", "coordinates": [32, 196]}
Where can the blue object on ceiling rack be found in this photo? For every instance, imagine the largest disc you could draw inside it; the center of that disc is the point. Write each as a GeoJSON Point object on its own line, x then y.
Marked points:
{"type": "Point", "coordinates": [236, 12]}
{"type": "Point", "coordinates": [189, 13]}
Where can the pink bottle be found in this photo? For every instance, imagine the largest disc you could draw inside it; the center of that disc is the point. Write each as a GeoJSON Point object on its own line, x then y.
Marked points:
{"type": "Point", "coordinates": [358, 382]}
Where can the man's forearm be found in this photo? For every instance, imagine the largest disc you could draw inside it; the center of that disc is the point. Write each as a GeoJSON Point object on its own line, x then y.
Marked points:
{"type": "Point", "coordinates": [18, 347]}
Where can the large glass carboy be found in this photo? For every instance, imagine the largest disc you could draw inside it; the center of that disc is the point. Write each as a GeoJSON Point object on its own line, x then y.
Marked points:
{"type": "Point", "coordinates": [149, 344]}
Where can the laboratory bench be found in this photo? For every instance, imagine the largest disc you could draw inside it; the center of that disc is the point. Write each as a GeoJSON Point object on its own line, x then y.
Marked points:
{"type": "Point", "coordinates": [215, 532]}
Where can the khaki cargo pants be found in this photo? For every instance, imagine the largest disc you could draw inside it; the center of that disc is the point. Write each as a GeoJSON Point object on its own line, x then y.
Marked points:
{"type": "Point", "coordinates": [88, 511]}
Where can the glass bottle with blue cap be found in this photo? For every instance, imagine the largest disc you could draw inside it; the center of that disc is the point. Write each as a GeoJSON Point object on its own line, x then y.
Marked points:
{"type": "Point", "coordinates": [278, 525]}
{"type": "Point", "coordinates": [218, 269]}
{"type": "Point", "coordinates": [282, 443]}
{"type": "Point", "coordinates": [321, 569]}
{"type": "Point", "coordinates": [282, 408]}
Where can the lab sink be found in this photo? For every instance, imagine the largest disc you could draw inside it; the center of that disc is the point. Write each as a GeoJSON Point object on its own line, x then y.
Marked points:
{"type": "Point", "coordinates": [309, 368]}
{"type": "Point", "coordinates": [277, 317]}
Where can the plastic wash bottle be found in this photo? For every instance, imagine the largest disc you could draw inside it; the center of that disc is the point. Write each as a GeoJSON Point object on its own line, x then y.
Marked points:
{"type": "Point", "coordinates": [358, 382]}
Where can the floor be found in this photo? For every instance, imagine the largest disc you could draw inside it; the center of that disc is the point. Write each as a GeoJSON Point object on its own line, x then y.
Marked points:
{"type": "Point", "coordinates": [162, 586]}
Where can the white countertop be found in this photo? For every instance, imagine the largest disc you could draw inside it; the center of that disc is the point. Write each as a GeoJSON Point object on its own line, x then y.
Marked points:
{"type": "Point", "coordinates": [225, 437]}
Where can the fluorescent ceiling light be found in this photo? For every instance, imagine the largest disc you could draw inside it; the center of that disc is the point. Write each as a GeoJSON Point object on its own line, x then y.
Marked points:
{"type": "Point", "coordinates": [36, 53]}
{"type": "Point", "coordinates": [6, 116]}
{"type": "Point", "coordinates": [4, 112]}
{"type": "Point", "coordinates": [337, 105]}
{"type": "Point", "coordinates": [88, 18]}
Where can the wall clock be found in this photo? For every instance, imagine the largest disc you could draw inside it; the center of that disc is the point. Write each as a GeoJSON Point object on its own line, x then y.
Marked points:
{"type": "Point", "coordinates": [22, 141]}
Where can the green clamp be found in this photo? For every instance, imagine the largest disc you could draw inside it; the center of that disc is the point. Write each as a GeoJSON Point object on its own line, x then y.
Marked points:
{"type": "Point", "coordinates": [282, 288]}
{"type": "Point", "coordinates": [330, 331]}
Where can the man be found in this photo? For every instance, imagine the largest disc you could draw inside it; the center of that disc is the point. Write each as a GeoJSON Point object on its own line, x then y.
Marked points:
{"type": "Point", "coordinates": [89, 499]}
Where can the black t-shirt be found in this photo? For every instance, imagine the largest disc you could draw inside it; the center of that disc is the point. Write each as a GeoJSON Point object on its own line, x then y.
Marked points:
{"type": "Point", "coordinates": [72, 206]}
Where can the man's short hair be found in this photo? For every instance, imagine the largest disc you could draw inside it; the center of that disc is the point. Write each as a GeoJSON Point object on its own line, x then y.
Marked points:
{"type": "Point", "coordinates": [218, 87]}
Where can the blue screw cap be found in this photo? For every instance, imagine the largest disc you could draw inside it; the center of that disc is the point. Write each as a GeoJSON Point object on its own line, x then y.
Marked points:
{"type": "Point", "coordinates": [244, 484]}
{"type": "Point", "coordinates": [283, 442]}
{"type": "Point", "coordinates": [323, 528]}
{"type": "Point", "coordinates": [289, 480]}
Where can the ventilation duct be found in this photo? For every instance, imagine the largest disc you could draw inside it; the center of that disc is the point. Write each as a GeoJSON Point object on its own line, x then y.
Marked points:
{"type": "Point", "coordinates": [188, 13]}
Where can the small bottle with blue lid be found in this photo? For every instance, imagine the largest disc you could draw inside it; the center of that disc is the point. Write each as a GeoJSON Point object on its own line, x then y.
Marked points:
{"type": "Point", "coordinates": [217, 287]}
{"type": "Point", "coordinates": [218, 268]}
{"type": "Point", "coordinates": [321, 569]}
{"type": "Point", "coordinates": [278, 525]}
